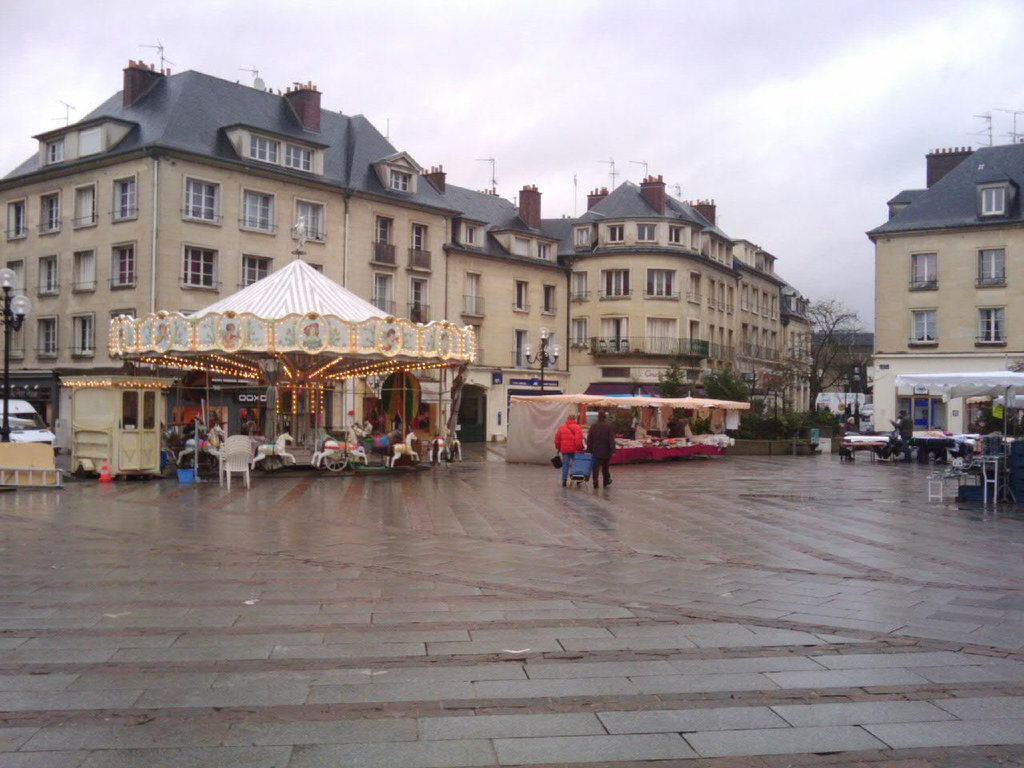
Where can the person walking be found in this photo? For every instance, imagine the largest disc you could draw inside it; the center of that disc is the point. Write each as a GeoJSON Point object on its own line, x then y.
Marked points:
{"type": "Point", "coordinates": [905, 427]}
{"type": "Point", "coordinates": [601, 443]}
{"type": "Point", "coordinates": [568, 441]}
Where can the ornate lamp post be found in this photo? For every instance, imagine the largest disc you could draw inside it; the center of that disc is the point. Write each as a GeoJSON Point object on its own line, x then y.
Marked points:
{"type": "Point", "coordinates": [15, 310]}
{"type": "Point", "coordinates": [544, 356]}
{"type": "Point", "coordinates": [855, 386]}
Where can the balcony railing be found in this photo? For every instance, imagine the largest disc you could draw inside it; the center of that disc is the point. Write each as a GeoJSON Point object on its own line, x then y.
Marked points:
{"type": "Point", "coordinates": [619, 294]}
{"type": "Point", "coordinates": [693, 297]}
{"type": "Point", "coordinates": [649, 346]}
{"type": "Point", "coordinates": [122, 281]}
{"type": "Point", "coordinates": [384, 305]}
{"type": "Point", "coordinates": [922, 340]}
{"type": "Point", "coordinates": [990, 281]}
{"type": "Point", "coordinates": [721, 352]}
{"type": "Point", "coordinates": [419, 313]}
{"type": "Point", "coordinates": [81, 286]}
{"type": "Point", "coordinates": [579, 296]}
{"type": "Point", "coordinates": [419, 259]}
{"type": "Point", "coordinates": [929, 284]}
{"type": "Point", "coordinates": [384, 253]}
{"type": "Point", "coordinates": [473, 305]}
{"type": "Point", "coordinates": [667, 295]}
{"type": "Point", "coordinates": [759, 352]}
{"type": "Point", "coordinates": [990, 338]}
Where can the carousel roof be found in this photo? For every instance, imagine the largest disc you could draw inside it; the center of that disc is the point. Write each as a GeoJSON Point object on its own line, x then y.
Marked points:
{"type": "Point", "coordinates": [297, 289]}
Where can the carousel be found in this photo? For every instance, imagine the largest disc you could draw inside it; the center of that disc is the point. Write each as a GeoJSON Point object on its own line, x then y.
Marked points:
{"type": "Point", "coordinates": [296, 338]}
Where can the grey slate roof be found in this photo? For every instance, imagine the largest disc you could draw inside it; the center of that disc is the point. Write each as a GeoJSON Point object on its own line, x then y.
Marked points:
{"type": "Point", "coordinates": [906, 197]}
{"type": "Point", "coordinates": [952, 201]}
{"type": "Point", "coordinates": [626, 202]}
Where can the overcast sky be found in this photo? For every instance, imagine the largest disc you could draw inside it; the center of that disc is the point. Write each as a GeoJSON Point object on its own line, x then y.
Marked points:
{"type": "Point", "coordinates": [800, 119]}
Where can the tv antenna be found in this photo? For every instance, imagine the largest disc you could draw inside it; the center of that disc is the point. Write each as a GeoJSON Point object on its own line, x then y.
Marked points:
{"type": "Point", "coordinates": [67, 112]}
{"type": "Point", "coordinates": [640, 162]}
{"type": "Point", "coordinates": [575, 193]}
{"type": "Point", "coordinates": [257, 81]}
{"type": "Point", "coordinates": [160, 50]}
{"type": "Point", "coordinates": [987, 130]}
{"type": "Point", "coordinates": [679, 190]}
{"type": "Point", "coordinates": [494, 180]}
{"type": "Point", "coordinates": [611, 169]}
{"type": "Point", "coordinates": [1013, 134]}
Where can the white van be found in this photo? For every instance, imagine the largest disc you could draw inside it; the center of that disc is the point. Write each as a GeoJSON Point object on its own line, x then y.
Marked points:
{"type": "Point", "coordinates": [27, 426]}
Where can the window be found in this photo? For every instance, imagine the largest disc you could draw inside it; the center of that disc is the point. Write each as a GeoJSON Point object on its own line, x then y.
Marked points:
{"type": "Point", "coordinates": [90, 141]}
{"type": "Point", "coordinates": [254, 268]}
{"type": "Point", "coordinates": [660, 282]}
{"type": "Point", "coordinates": [470, 236]}
{"type": "Point", "coordinates": [675, 235]}
{"type": "Point", "coordinates": [18, 268]}
{"type": "Point", "coordinates": [263, 149]}
{"type": "Point", "coordinates": [258, 211]}
{"type": "Point", "coordinates": [122, 266]}
{"type": "Point", "coordinates": [471, 295]}
{"type": "Point", "coordinates": [418, 306]}
{"type": "Point", "coordinates": [579, 332]}
{"type": "Point", "coordinates": [662, 336]}
{"type": "Point", "coordinates": [124, 200]}
{"type": "Point", "coordinates": [645, 233]}
{"type": "Point", "coordinates": [16, 224]}
{"type": "Point", "coordinates": [991, 325]}
{"type": "Point", "coordinates": [582, 237]}
{"type": "Point", "coordinates": [549, 300]}
{"type": "Point", "coordinates": [615, 334]}
{"type": "Point", "coordinates": [382, 230]}
{"type": "Point", "coordinates": [544, 251]}
{"type": "Point", "coordinates": [693, 295]}
{"type": "Point", "coordinates": [615, 233]}
{"type": "Point", "coordinates": [922, 271]}
{"type": "Point", "coordinates": [993, 201]}
{"type": "Point", "coordinates": [309, 220]}
{"type": "Point", "coordinates": [520, 296]}
{"type": "Point", "coordinates": [83, 341]}
{"type": "Point", "coordinates": [578, 286]}
{"type": "Point", "coordinates": [200, 200]}
{"type": "Point", "coordinates": [400, 180]}
{"type": "Point", "coordinates": [616, 282]}
{"type": "Point", "coordinates": [84, 278]}
{"type": "Point", "coordinates": [991, 266]}
{"type": "Point", "coordinates": [85, 206]}
{"type": "Point", "coordinates": [49, 213]}
{"type": "Point", "coordinates": [518, 349]}
{"type": "Point", "coordinates": [49, 282]}
{"type": "Point", "coordinates": [922, 326]}
{"type": "Point", "coordinates": [55, 151]}
{"type": "Point", "coordinates": [199, 267]}
{"type": "Point", "coordinates": [419, 237]}
{"type": "Point", "coordinates": [46, 330]}
{"type": "Point", "coordinates": [384, 292]}
{"type": "Point", "coordinates": [298, 158]}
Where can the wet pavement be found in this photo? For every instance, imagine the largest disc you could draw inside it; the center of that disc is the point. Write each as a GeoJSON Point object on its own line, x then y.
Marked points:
{"type": "Point", "coordinates": [756, 612]}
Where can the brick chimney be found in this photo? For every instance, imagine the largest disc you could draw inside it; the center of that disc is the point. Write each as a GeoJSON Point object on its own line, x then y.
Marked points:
{"type": "Point", "coordinates": [596, 197]}
{"type": "Point", "coordinates": [305, 101]}
{"type": "Point", "coordinates": [138, 79]}
{"type": "Point", "coordinates": [942, 161]}
{"type": "Point", "coordinates": [529, 206]}
{"type": "Point", "coordinates": [705, 208]}
{"type": "Point", "coordinates": [653, 191]}
{"type": "Point", "coordinates": [436, 177]}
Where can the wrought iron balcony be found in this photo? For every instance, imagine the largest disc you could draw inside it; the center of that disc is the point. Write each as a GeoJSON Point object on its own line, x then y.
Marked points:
{"type": "Point", "coordinates": [649, 346]}
{"type": "Point", "coordinates": [579, 295]}
{"type": "Point", "coordinates": [473, 305]}
{"type": "Point", "coordinates": [759, 352]}
{"type": "Point", "coordinates": [924, 284]}
{"type": "Point", "coordinates": [384, 253]}
{"type": "Point", "coordinates": [419, 259]}
{"type": "Point", "coordinates": [419, 313]}
{"type": "Point", "coordinates": [384, 304]}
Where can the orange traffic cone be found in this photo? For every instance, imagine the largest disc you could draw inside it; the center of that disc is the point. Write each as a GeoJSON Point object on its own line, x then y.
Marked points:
{"type": "Point", "coordinates": [105, 471]}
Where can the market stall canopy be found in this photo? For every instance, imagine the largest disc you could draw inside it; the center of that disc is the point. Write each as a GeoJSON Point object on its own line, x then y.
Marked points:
{"type": "Point", "coordinates": [953, 385]}
{"type": "Point", "coordinates": [638, 401]}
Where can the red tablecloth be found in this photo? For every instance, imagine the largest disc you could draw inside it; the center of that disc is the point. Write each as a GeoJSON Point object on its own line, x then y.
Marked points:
{"type": "Point", "coordinates": [653, 453]}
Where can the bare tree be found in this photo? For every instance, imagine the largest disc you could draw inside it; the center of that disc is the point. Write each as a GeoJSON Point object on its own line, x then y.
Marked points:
{"type": "Point", "coordinates": [834, 331]}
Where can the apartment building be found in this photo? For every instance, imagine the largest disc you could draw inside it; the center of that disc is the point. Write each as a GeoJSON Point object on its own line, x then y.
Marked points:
{"type": "Point", "coordinates": [182, 188]}
{"type": "Point", "coordinates": [949, 280]}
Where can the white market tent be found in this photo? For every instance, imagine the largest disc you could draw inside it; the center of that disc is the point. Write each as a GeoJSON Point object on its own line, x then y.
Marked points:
{"type": "Point", "coordinates": [972, 384]}
{"type": "Point", "coordinates": [534, 419]}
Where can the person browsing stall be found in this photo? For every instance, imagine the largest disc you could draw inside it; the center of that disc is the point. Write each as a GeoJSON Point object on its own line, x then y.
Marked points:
{"type": "Point", "coordinates": [568, 441]}
{"type": "Point", "coordinates": [601, 443]}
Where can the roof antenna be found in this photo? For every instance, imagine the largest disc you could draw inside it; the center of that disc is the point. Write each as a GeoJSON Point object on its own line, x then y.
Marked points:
{"type": "Point", "coordinates": [679, 190]}
{"type": "Point", "coordinates": [641, 162]}
{"type": "Point", "coordinates": [575, 193]}
{"type": "Point", "coordinates": [160, 49]}
{"type": "Point", "coordinates": [1013, 134]}
{"type": "Point", "coordinates": [987, 130]}
{"type": "Point", "coordinates": [67, 112]}
{"type": "Point", "coordinates": [387, 129]}
{"type": "Point", "coordinates": [494, 181]}
{"type": "Point", "coordinates": [611, 169]}
{"type": "Point", "coordinates": [257, 81]}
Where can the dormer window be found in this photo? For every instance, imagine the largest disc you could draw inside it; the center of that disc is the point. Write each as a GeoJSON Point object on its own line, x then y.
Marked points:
{"type": "Point", "coordinates": [645, 233]}
{"type": "Point", "coordinates": [55, 151]}
{"type": "Point", "coordinates": [297, 157]}
{"type": "Point", "coordinates": [470, 236]}
{"type": "Point", "coordinates": [400, 180]}
{"type": "Point", "coordinates": [263, 149]}
{"type": "Point", "coordinates": [90, 141]}
{"type": "Point", "coordinates": [582, 236]}
{"type": "Point", "coordinates": [993, 200]}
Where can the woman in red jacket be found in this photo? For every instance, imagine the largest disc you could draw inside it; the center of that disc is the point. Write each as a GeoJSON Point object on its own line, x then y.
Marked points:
{"type": "Point", "coordinates": [568, 440]}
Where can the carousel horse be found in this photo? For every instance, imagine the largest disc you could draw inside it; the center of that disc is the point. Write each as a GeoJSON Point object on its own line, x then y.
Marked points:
{"type": "Point", "coordinates": [444, 450]}
{"type": "Point", "coordinates": [335, 454]}
{"type": "Point", "coordinates": [276, 449]}
{"type": "Point", "coordinates": [210, 444]}
{"type": "Point", "coordinates": [404, 449]}
{"type": "Point", "coordinates": [454, 448]}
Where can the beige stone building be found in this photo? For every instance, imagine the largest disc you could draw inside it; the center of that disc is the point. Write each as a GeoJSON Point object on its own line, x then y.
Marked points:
{"type": "Point", "coordinates": [949, 280]}
{"type": "Point", "coordinates": [181, 189]}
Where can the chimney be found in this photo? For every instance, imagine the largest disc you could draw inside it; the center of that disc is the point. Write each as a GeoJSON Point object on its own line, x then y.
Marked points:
{"type": "Point", "coordinates": [942, 161]}
{"type": "Point", "coordinates": [705, 208]}
{"type": "Point", "coordinates": [138, 79]}
{"type": "Point", "coordinates": [529, 206]}
{"type": "Point", "coordinates": [436, 178]}
{"type": "Point", "coordinates": [653, 191]}
{"type": "Point", "coordinates": [305, 101]}
{"type": "Point", "coordinates": [596, 197]}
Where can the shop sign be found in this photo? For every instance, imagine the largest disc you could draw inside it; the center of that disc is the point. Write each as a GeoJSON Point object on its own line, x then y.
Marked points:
{"type": "Point", "coordinates": [250, 398]}
{"type": "Point", "coordinates": [647, 374]}
{"type": "Point", "coordinates": [496, 377]}
{"type": "Point", "coordinates": [524, 382]}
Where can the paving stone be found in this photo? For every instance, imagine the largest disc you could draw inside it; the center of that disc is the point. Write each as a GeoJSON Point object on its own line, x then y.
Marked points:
{"type": "Point", "coordinates": [684, 720]}
{"type": "Point", "coordinates": [140, 681]}
{"type": "Point", "coordinates": [222, 757]}
{"type": "Point", "coordinates": [590, 686]}
{"type": "Point", "coordinates": [423, 754]}
{"type": "Point", "coordinates": [238, 696]}
{"type": "Point", "coordinates": [348, 651]}
{"type": "Point", "coordinates": [156, 734]}
{"type": "Point", "coordinates": [951, 734]}
{"type": "Point", "coordinates": [847, 678]}
{"type": "Point", "coordinates": [540, 671]}
{"type": "Point", "coordinates": [591, 749]}
{"type": "Point", "coordinates": [753, 664]}
{"type": "Point", "coordinates": [860, 712]}
{"type": "Point", "coordinates": [321, 732]}
{"type": "Point", "coordinates": [409, 691]}
{"type": "Point", "coordinates": [996, 707]}
{"type": "Point", "coordinates": [509, 726]}
{"type": "Point", "coordinates": [781, 741]}
{"type": "Point", "coordinates": [12, 738]}
{"type": "Point", "coordinates": [995, 672]}
{"type": "Point", "coordinates": [44, 759]}
{"type": "Point", "coordinates": [48, 682]}
{"type": "Point", "coordinates": [879, 660]}
{"type": "Point", "coordinates": [31, 700]}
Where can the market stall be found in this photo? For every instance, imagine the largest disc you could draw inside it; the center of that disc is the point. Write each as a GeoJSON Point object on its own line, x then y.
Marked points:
{"type": "Point", "coordinates": [533, 421]}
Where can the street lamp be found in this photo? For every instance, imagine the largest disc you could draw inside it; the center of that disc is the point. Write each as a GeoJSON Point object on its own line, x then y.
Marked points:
{"type": "Point", "coordinates": [544, 356]}
{"type": "Point", "coordinates": [15, 310]}
{"type": "Point", "coordinates": [855, 386]}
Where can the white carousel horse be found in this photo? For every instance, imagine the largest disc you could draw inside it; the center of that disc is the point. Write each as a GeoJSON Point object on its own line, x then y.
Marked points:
{"type": "Point", "coordinates": [335, 454]}
{"type": "Point", "coordinates": [404, 449]}
{"type": "Point", "coordinates": [454, 448]}
{"type": "Point", "coordinates": [444, 450]}
{"type": "Point", "coordinates": [275, 449]}
{"type": "Point", "coordinates": [210, 444]}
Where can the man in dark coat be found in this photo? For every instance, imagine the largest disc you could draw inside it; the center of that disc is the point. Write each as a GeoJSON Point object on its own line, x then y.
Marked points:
{"type": "Point", "coordinates": [601, 444]}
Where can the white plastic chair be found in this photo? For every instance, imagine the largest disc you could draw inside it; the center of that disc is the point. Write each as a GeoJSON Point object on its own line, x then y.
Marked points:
{"type": "Point", "coordinates": [235, 456]}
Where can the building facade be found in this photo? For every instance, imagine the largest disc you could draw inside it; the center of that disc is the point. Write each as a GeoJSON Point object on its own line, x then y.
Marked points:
{"type": "Point", "coordinates": [949, 280]}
